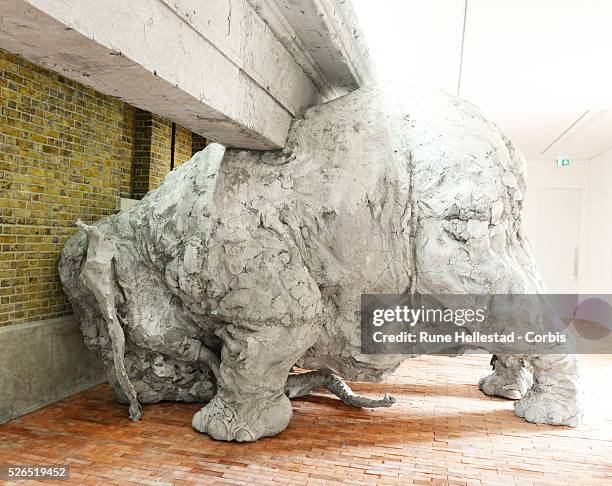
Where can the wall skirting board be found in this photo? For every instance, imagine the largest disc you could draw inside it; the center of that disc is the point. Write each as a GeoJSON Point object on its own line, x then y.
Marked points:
{"type": "Point", "coordinates": [42, 362]}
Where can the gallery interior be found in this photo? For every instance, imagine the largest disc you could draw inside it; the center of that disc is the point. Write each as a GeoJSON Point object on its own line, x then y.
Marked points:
{"type": "Point", "coordinates": [225, 225]}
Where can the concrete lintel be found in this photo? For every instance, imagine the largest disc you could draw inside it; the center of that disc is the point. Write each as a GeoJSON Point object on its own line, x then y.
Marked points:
{"type": "Point", "coordinates": [42, 362]}
{"type": "Point", "coordinates": [235, 71]}
{"type": "Point", "coordinates": [167, 58]}
{"type": "Point", "coordinates": [325, 40]}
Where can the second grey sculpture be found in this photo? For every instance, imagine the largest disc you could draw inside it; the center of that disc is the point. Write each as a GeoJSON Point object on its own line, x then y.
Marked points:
{"type": "Point", "coordinates": [243, 264]}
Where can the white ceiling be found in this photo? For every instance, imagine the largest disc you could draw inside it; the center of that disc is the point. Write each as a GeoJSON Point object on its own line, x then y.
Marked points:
{"type": "Point", "coordinates": [541, 69]}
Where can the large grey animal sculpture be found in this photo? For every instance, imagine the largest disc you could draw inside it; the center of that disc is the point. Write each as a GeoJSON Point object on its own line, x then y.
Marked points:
{"type": "Point", "coordinates": [243, 264]}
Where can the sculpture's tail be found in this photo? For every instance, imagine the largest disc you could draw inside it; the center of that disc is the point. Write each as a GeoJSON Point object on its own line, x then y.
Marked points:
{"type": "Point", "coordinates": [301, 384]}
{"type": "Point", "coordinates": [97, 274]}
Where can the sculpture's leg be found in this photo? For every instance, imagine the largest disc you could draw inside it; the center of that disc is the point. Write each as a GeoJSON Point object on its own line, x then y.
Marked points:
{"type": "Point", "coordinates": [511, 378]}
{"type": "Point", "coordinates": [250, 402]}
{"type": "Point", "coordinates": [554, 398]}
{"type": "Point", "coordinates": [302, 384]}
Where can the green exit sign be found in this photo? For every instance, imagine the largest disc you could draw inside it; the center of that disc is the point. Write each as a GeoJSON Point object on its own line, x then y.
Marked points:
{"type": "Point", "coordinates": [563, 162]}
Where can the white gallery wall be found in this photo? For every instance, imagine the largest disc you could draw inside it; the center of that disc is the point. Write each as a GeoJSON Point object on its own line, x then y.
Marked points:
{"type": "Point", "coordinates": [552, 193]}
{"type": "Point", "coordinates": [567, 220]}
{"type": "Point", "coordinates": [597, 272]}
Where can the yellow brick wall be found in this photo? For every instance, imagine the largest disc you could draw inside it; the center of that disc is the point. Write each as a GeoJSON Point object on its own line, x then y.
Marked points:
{"type": "Point", "coordinates": [153, 151]}
{"type": "Point", "coordinates": [141, 153]}
{"type": "Point", "coordinates": [182, 145]}
{"type": "Point", "coordinates": [197, 143]}
{"type": "Point", "coordinates": [66, 153]}
{"type": "Point", "coordinates": [161, 144]}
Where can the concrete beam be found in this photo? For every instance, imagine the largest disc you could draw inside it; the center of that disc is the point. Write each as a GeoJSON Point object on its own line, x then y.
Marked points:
{"type": "Point", "coordinates": [214, 67]}
{"type": "Point", "coordinates": [43, 362]}
{"type": "Point", "coordinates": [325, 40]}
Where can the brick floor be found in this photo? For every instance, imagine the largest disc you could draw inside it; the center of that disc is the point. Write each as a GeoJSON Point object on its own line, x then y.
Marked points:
{"type": "Point", "coordinates": [442, 431]}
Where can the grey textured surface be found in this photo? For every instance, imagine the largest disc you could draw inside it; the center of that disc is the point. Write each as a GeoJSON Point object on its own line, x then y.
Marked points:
{"type": "Point", "coordinates": [242, 264]}
{"type": "Point", "coordinates": [42, 362]}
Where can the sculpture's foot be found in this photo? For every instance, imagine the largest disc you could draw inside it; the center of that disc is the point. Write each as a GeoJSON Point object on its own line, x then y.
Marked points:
{"type": "Point", "coordinates": [554, 398]}
{"type": "Point", "coordinates": [245, 422]}
{"type": "Point", "coordinates": [548, 408]}
{"type": "Point", "coordinates": [511, 379]}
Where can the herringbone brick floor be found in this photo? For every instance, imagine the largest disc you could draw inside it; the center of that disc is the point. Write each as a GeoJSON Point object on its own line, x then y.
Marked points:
{"type": "Point", "coordinates": [442, 431]}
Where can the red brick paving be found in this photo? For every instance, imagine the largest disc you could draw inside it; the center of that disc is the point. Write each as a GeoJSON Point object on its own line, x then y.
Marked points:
{"type": "Point", "coordinates": [442, 431]}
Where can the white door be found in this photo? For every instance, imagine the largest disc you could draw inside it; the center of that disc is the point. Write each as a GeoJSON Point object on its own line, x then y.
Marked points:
{"type": "Point", "coordinates": [557, 238]}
